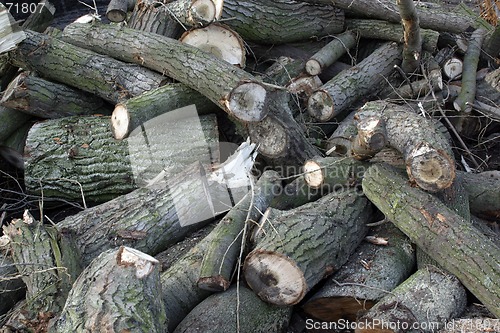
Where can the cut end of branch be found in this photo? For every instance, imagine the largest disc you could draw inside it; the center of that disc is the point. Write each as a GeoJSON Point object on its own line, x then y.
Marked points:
{"type": "Point", "coordinates": [143, 263]}
{"type": "Point", "coordinates": [202, 12]}
{"type": "Point", "coordinates": [431, 169]}
{"type": "Point", "coordinates": [120, 122]}
{"type": "Point", "coordinates": [320, 106]}
{"type": "Point", "coordinates": [247, 102]}
{"type": "Point", "coordinates": [313, 176]}
{"type": "Point", "coordinates": [213, 283]}
{"type": "Point", "coordinates": [313, 67]}
{"type": "Point", "coordinates": [276, 279]}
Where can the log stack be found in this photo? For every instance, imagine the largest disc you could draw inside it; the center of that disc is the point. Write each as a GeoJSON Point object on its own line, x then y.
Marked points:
{"type": "Point", "coordinates": [339, 179]}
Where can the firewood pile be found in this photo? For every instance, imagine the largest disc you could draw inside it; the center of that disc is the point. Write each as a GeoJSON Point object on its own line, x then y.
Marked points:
{"type": "Point", "coordinates": [250, 166]}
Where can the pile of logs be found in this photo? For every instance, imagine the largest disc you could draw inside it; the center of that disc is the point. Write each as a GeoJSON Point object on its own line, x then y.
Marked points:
{"type": "Point", "coordinates": [338, 158]}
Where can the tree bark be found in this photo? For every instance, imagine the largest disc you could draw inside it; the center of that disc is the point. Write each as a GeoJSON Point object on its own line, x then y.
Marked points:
{"type": "Point", "coordinates": [100, 75]}
{"type": "Point", "coordinates": [369, 275]}
{"type": "Point", "coordinates": [412, 51]}
{"type": "Point", "coordinates": [234, 90]}
{"type": "Point", "coordinates": [46, 99]}
{"type": "Point", "coordinates": [371, 138]}
{"type": "Point", "coordinates": [117, 10]}
{"type": "Point", "coordinates": [12, 287]}
{"type": "Point", "coordinates": [303, 245]}
{"type": "Point", "coordinates": [348, 86]}
{"type": "Point", "coordinates": [427, 152]}
{"type": "Point", "coordinates": [423, 303]}
{"type": "Point", "coordinates": [117, 292]}
{"type": "Point", "coordinates": [264, 22]}
{"type": "Point", "coordinates": [10, 121]}
{"type": "Point", "coordinates": [152, 16]}
{"type": "Point", "coordinates": [484, 193]}
{"type": "Point", "coordinates": [75, 157]}
{"type": "Point", "coordinates": [455, 244]}
{"type": "Point", "coordinates": [236, 310]}
{"type": "Point", "coordinates": [221, 255]}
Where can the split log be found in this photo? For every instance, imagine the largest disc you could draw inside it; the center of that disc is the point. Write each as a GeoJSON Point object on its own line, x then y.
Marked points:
{"type": "Point", "coordinates": [427, 152]}
{"type": "Point", "coordinates": [303, 245]}
{"type": "Point", "coordinates": [221, 256]}
{"type": "Point", "coordinates": [78, 158]}
{"type": "Point", "coordinates": [47, 265]}
{"type": "Point", "coordinates": [12, 287]}
{"type": "Point", "coordinates": [344, 89]}
{"type": "Point", "coordinates": [369, 275]}
{"type": "Point", "coordinates": [117, 292]}
{"type": "Point", "coordinates": [378, 29]}
{"type": "Point", "coordinates": [110, 79]}
{"type": "Point", "coordinates": [423, 303]}
{"type": "Point", "coordinates": [237, 92]}
{"type": "Point", "coordinates": [10, 121]}
{"type": "Point", "coordinates": [46, 99]}
{"type": "Point", "coordinates": [445, 236]}
{"type": "Point", "coordinates": [134, 112]}
{"type": "Point", "coordinates": [236, 310]}
{"type": "Point", "coordinates": [413, 41]}
{"type": "Point", "coordinates": [180, 205]}
{"type": "Point", "coordinates": [263, 21]}
{"type": "Point", "coordinates": [330, 53]}
{"type": "Point", "coordinates": [117, 10]}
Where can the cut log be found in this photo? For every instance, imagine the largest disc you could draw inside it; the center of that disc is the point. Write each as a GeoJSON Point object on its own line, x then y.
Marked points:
{"type": "Point", "coordinates": [369, 275]}
{"type": "Point", "coordinates": [219, 40]}
{"type": "Point", "coordinates": [117, 10]}
{"type": "Point", "coordinates": [47, 265]}
{"type": "Point", "coordinates": [46, 99]}
{"type": "Point", "coordinates": [237, 92]}
{"type": "Point", "coordinates": [445, 236]}
{"type": "Point", "coordinates": [453, 68]}
{"type": "Point", "coordinates": [413, 41]}
{"type": "Point", "coordinates": [427, 152]}
{"type": "Point", "coordinates": [303, 245]}
{"type": "Point", "coordinates": [344, 89]}
{"type": "Point", "coordinates": [378, 29]}
{"type": "Point", "coordinates": [103, 76]}
{"type": "Point", "coordinates": [331, 52]}
{"type": "Point", "coordinates": [12, 287]}
{"type": "Point", "coordinates": [221, 255]}
{"type": "Point", "coordinates": [152, 16]}
{"type": "Point", "coordinates": [117, 292]}
{"type": "Point", "coordinates": [371, 138]}
{"type": "Point", "coordinates": [10, 121]}
{"type": "Point", "coordinates": [152, 218]}
{"type": "Point", "coordinates": [297, 193]}
{"type": "Point", "coordinates": [136, 111]}
{"type": "Point", "coordinates": [195, 13]}
{"type": "Point", "coordinates": [77, 157]}
{"type": "Point", "coordinates": [236, 310]}
{"type": "Point", "coordinates": [423, 303]}
{"type": "Point", "coordinates": [264, 22]}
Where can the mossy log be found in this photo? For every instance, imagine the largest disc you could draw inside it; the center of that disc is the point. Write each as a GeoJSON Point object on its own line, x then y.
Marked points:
{"type": "Point", "coordinates": [45, 99]}
{"type": "Point", "coordinates": [221, 255]}
{"type": "Point", "coordinates": [426, 150]}
{"type": "Point", "coordinates": [236, 310]}
{"type": "Point", "coordinates": [351, 84]}
{"type": "Point", "coordinates": [117, 292]}
{"type": "Point", "coordinates": [95, 73]}
{"type": "Point", "coordinates": [425, 302]}
{"type": "Point", "coordinates": [369, 275]}
{"type": "Point", "coordinates": [302, 246]}
{"type": "Point", "coordinates": [234, 90]}
{"type": "Point", "coordinates": [77, 157]}
{"type": "Point", "coordinates": [446, 237]}
{"type": "Point", "coordinates": [266, 21]}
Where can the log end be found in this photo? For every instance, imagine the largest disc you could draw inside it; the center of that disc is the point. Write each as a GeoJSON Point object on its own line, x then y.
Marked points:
{"type": "Point", "coordinates": [213, 283]}
{"type": "Point", "coordinates": [335, 308]}
{"type": "Point", "coordinates": [116, 15]}
{"type": "Point", "coordinates": [275, 278]}
{"type": "Point", "coordinates": [247, 102]}
{"type": "Point", "coordinates": [143, 263]}
{"type": "Point", "coordinates": [320, 106]}
{"type": "Point", "coordinates": [313, 67]}
{"type": "Point", "coordinates": [313, 174]}
{"type": "Point", "coordinates": [202, 12]}
{"type": "Point", "coordinates": [431, 169]}
{"type": "Point", "coordinates": [120, 122]}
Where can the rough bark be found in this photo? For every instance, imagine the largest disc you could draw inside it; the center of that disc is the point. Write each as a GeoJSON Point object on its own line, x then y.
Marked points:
{"type": "Point", "coordinates": [100, 75]}
{"type": "Point", "coordinates": [234, 90]}
{"type": "Point", "coordinates": [303, 245]}
{"type": "Point", "coordinates": [423, 303]}
{"type": "Point", "coordinates": [236, 310]}
{"type": "Point", "coordinates": [117, 292]}
{"type": "Point", "coordinates": [427, 152]}
{"type": "Point", "coordinates": [152, 16]}
{"type": "Point", "coordinates": [46, 99]}
{"type": "Point", "coordinates": [344, 89]}
{"type": "Point", "coordinates": [378, 29]}
{"type": "Point", "coordinates": [445, 236]}
{"type": "Point", "coordinates": [369, 275]}
{"type": "Point", "coordinates": [77, 157]}
{"type": "Point", "coordinates": [10, 121]}
{"type": "Point", "coordinates": [264, 21]}
{"type": "Point", "coordinates": [297, 193]}
{"type": "Point", "coordinates": [412, 40]}
{"type": "Point", "coordinates": [221, 255]}
{"type": "Point", "coordinates": [12, 287]}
